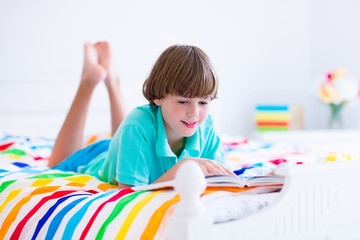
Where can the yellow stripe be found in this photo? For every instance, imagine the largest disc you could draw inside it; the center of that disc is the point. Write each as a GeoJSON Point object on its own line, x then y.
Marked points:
{"type": "Point", "coordinates": [41, 182]}
{"type": "Point", "coordinates": [272, 117]}
{"type": "Point", "coordinates": [79, 179]}
{"type": "Point", "coordinates": [10, 197]}
{"type": "Point", "coordinates": [13, 156]}
{"type": "Point", "coordinates": [133, 213]}
{"type": "Point", "coordinates": [92, 140]}
{"type": "Point", "coordinates": [157, 217]}
{"type": "Point", "coordinates": [14, 212]}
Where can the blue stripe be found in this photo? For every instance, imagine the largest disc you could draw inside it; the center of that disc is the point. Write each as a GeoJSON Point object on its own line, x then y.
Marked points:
{"type": "Point", "coordinates": [25, 170]}
{"type": "Point", "coordinates": [8, 174]}
{"type": "Point", "coordinates": [77, 217]}
{"type": "Point", "coordinates": [55, 223]}
{"type": "Point", "coordinates": [33, 170]}
{"type": "Point", "coordinates": [51, 210]}
{"type": "Point", "coordinates": [272, 108]}
{"type": "Point", "coordinates": [20, 164]}
{"type": "Point", "coordinates": [43, 146]}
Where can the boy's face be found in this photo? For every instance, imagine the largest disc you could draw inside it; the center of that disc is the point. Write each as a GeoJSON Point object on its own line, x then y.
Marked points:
{"type": "Point", "coordinates": [181, 115]}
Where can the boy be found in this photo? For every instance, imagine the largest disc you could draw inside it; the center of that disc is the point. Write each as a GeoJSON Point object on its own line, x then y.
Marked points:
{"type": "Point", "coordinates": [155, 139]}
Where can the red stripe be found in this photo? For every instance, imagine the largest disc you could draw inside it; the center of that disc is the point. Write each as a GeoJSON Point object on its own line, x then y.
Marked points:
{"type": "Point", "coordinates": [285, 124]}
{"type": "Point", "coordinates": [19, 228]}
{"type": "Point", "coordinates": [114, 198]}
{"type": "Point", "coordinates": [278, 161]}
{"type": "Point", "coordinates": [92, 191]}
{"type": "Point", "coordinates": [5, 146]}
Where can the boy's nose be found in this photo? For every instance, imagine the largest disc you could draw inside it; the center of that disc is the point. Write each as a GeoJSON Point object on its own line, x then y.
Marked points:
{"type": "Point", "coordinates": [192, 111]}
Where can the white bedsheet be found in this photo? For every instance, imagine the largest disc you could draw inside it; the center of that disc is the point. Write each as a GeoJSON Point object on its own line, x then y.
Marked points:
{"type": "Point", "coordinates": [226, 206]}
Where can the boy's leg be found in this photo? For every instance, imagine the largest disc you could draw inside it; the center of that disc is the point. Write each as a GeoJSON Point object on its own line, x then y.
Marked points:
{"type": "Point", "coordinates": [70, 137]}
{"type": "Point", "coordinates": [84, 156]}
{"type": "Point", "coordinates": [112, 82]}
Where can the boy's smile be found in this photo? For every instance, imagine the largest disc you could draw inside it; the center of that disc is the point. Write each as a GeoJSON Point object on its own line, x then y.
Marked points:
{"type": "Point", "coordinates": [189, 124]}
{"type": "Point", "coordinates": [182, 116]}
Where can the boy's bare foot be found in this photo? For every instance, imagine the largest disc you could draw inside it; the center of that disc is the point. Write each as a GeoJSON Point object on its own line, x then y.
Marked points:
{"type": "Point", "coordinates": [93, 72]}
{"type": "Point", "coordinates": [107, 62]}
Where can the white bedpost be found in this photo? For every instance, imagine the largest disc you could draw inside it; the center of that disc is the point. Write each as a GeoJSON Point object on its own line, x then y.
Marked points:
{"type": "Point", "coordinates": [189, 221]}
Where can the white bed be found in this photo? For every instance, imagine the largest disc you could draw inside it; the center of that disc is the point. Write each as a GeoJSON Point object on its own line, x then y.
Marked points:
{"type": "Point", "coordinates": [318, 201]}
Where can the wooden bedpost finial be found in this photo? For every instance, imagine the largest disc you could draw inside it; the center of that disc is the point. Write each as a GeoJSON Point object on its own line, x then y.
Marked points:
{"type": "Point", "coordinates": [189, 220]}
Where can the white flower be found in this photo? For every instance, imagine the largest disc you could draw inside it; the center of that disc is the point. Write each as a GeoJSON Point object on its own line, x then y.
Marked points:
{"type": "Point", "coordinates": [337, 87]}
{"type": "Point", "coordinates": [347, 88]}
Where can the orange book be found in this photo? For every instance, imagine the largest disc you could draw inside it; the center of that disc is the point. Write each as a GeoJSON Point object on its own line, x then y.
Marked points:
{"type": "Point", "coordinates": [272, 123]}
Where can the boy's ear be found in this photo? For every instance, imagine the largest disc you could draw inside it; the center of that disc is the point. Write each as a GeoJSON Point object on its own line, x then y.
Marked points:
{"type": "Point", "coordinates": [157, 101]}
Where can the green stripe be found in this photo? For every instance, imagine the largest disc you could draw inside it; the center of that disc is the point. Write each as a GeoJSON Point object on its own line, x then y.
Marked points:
{"type": "Point", "coordinates": [4, 185]}
{"type": "Point", "coordinates": [272, 128]}
{"type": "Point", "coordinates": [54, 175]}
{"type": "Point", "coordinates": [15, 151]}
{"type": "Point", "coordinates": [117, 210]}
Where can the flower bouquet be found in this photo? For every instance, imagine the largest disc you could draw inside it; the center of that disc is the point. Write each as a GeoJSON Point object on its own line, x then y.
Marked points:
{"type": "Point", "coordinates": [337, 89]}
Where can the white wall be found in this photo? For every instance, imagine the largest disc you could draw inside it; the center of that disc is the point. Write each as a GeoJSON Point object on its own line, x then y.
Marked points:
{"type": "Point", "coordinates": [334, 37]}
{"type": "Point", "coordinates": [264, 51]}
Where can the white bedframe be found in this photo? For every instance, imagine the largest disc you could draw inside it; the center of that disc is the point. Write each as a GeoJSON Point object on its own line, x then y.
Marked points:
{"type": "Point", "coordinates": [319, 201]}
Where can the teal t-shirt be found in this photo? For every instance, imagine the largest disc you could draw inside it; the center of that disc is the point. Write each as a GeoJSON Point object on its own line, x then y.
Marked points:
{"type": "Point", "coordinates": [139, 152]}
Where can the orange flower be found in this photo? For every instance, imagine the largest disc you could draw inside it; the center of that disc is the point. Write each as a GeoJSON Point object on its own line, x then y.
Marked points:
{"type": "Point", "coordinates": [328, 94]}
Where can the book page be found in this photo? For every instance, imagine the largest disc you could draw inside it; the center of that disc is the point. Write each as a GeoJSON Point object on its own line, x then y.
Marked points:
{"type": "Point", "coordinates": [265, 180]}
{"type": "Point", "coordinates": [224, 180]}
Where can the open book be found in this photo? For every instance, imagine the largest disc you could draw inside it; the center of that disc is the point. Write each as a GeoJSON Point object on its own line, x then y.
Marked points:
{"type": "Point", "coordinates": [223, 181]}
{"type": "Point", "coordinates": [235, 181]}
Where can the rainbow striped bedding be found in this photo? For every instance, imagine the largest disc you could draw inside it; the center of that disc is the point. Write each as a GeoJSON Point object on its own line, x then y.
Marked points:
{"type": "Point", "coordinates": [40, 203]}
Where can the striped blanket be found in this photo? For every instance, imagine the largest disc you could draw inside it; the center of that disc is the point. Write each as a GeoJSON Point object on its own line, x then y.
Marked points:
{"type": "Point", "coordinates": [41, 203]}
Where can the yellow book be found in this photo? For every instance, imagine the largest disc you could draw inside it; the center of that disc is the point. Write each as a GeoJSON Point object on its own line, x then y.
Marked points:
{"type": "Point", "coordinates": [264, 117]}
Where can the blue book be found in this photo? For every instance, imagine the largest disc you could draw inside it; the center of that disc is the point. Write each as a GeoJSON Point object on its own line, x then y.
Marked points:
{"type": "Point", "coordinates": [272, 108]}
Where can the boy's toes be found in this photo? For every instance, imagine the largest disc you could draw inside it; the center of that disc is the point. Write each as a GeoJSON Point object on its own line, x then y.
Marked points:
{"type": "Point", "coordinates": [90, 53]}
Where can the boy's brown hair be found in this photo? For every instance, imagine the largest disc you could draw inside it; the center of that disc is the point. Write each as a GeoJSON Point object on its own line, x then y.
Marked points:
{"type": "Point", "coordinates": [181, 70]}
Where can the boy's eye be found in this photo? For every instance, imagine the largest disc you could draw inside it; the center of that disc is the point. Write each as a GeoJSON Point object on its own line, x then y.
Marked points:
{"type": "Point", "coordinates": [182, 102]}
{"type": "Point", "coordinates": [203, 103]}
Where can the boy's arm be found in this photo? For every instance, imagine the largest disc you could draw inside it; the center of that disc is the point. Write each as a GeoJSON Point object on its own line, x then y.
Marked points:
{"type": "Point", "coordinates": [214, 148]}
{"type": "Point", "coordinates": [122, 186]}
{"type": "Point", "coordinates": [209, 167]}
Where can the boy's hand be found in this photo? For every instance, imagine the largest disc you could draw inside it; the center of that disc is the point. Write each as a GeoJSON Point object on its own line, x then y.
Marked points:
{"type": "Point", "coordinates": [210, 167]}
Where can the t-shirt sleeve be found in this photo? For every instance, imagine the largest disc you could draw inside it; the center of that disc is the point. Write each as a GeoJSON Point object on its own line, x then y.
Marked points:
{"type": "Point", "coordinates": [214, 148]}
{"type": "Point", "coordinates": [133, 167]}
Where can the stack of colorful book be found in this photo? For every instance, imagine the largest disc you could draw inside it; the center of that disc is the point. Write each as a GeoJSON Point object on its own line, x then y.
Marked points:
{"type": "Point", "coordinates": [272, 117]}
